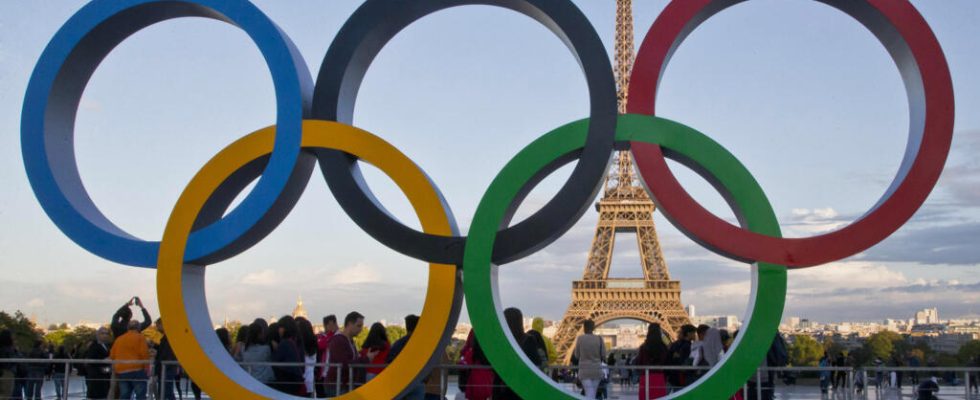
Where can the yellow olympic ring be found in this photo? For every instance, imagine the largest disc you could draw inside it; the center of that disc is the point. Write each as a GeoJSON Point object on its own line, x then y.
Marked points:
{"type": "Point", "coordinates": [181, 287]}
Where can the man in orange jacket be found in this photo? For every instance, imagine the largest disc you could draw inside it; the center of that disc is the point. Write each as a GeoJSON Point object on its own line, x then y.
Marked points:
{"type": "Point", "coordinates": [132, 347]}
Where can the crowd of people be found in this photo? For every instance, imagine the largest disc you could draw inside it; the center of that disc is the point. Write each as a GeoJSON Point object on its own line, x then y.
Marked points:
{"type": "Point", "coordinates": [659, 357]}
{"type": "Point", "coordinates": [289, 356]}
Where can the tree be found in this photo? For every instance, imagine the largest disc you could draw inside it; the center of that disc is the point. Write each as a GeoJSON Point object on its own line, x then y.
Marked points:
{"type": "Point", "coordinates": [805, 351]}
{"type": "Point", "coordinates": [71, 339]}
{"type": "Point", "coordinates": [833, 348]}
{"type": "Point", "coordinates": [395, 333]}
{"type": "Point", "coordinates": [56, 337]}
{"type": "Point", "coordinates": [79, 339]}
{"type": "Point", "coordinates": [882, 344]}
{"type": "Point", "coordinates": [233, 327]}
{"type": "Point", "coordinates": [22, 328]}
{"type": "Point", "coordinates": [969, 352]}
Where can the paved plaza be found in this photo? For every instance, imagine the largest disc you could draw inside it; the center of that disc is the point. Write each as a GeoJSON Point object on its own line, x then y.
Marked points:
{"type": "Point", "coordinates": [795, 392]}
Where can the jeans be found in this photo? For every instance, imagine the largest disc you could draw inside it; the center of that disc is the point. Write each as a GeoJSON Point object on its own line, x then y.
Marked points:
{"type": "Point", "coordinates": [58, 380]}
{"type": "Point", "coordinates": [132, 383]}
{"type": "Point", "coordinates": [590, 386]}
{"type": "Point", "coordinates": [32, 387]}
{"type": "Point", "coordinates": [167, 384]}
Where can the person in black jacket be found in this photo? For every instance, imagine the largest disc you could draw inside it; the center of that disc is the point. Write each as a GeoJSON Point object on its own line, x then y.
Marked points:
{"type": "Point", "coordinates": [7, 370]}
{"type": "Point", "coordinates": [679, 353]}
{"type": "Point", "coordinates": [120, 320]}
{"type": "Point", "coordinates": [97, 375]}
{"type": "Point", "coordinates": [289, 379]}
{"type": "Point", "coordinates": [166, 374]}
{"type": "Point", "coordinates": [515, 321]}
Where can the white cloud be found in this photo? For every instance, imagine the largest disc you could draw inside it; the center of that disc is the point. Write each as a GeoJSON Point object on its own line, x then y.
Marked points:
{"type": "Point", "coordinates": [807, 221]}
{"type": "Point", "coordinates": [358, 274]}
{"type": "Point", "coordinates": [35, 303]}
{"type": "Point", "coordinates": [265, 277]}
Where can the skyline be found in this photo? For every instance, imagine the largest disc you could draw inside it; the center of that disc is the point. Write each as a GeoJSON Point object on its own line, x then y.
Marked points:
{"type": "Point", "coordinates": [782, 103]}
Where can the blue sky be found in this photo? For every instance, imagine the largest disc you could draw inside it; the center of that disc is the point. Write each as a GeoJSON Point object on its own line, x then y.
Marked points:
{"type": "Point", "coordinates": [799, 92]}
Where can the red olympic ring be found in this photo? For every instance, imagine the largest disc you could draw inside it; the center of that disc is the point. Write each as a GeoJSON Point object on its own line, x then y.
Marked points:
{"type": "Point", "coordinates": [920, 59]}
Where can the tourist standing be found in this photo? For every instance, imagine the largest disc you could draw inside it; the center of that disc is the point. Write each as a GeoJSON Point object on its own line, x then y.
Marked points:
{"type": "Point", "coordinates": [515, 321]}
{"type": "Point", "coordinates": [589, 351]}
{"type": "Point", "coordinates": [679, 354]}
{"type": "Point", "coordinates": [341, 352]}
{"type": "Point", "coordinates": [59, 372]}
{"type": "Point", "coordinates": [165, 364]}
{"type": "Point", "coordinates": [240, 338]}
{"type": "Point", "coordinates": [824, 373]}
{"type": "Point", "coordinates": [257, 353]}
{"type": "Point", "coordinates": [653, 352]}
{"type": "Point", "coordinates": [322, 339]}
{"type": "Point", "coordinates": [7, 370]}
{"type": "Point", "coordinates": [307, 342]}
{"type": "Point", "coordinates": [132, 376]}
{"type": "Point", "coordinates": [36, 370]}
{"type": "Point", "coordinates": [417, 390]}
{"type": "Point", "coordinates": [377, 340]}
{"type": "Point", "coordinates": [120, 320]}
{"type": "Point", "coordinates": [476, 378]}
{"type": "Point", "coordinates": [98, 375]}
{"type": "Point", "coordinates": [538, 325]}
{"type": "Point", "coordinates": [289, 378]}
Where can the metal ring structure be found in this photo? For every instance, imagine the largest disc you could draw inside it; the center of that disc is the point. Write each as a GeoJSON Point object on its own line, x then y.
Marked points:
{"type": "Point", "coordinates": [340, 76]}
{"type": "Point", "coordinates": [52, 99]}
{"type": "Point", "coordinates": [713, 162]}
{"type": "Point", "coordinates": [281, 157]}
{"type": "Point", "coordinates": [181, 286]}
{"type": "Point", "coordinates": [920, 60]}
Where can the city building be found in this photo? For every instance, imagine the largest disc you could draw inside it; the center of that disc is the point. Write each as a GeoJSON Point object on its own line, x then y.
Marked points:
{"type": "Point", "coordinates": [927, 316]}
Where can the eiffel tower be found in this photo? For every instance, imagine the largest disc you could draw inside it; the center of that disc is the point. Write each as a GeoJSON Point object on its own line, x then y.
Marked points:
{"type": "Point", "coordinates": [624, 207]}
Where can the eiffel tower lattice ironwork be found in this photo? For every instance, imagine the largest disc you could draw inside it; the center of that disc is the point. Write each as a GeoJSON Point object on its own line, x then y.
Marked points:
{"type": "Point", "coordinates": [624, 207]}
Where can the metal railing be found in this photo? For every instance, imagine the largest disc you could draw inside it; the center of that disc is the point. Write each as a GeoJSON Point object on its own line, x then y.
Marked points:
{"type": "Point", "coordinates": [621, 380]}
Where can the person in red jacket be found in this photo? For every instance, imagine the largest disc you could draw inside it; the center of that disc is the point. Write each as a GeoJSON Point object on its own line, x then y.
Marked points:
{"type": "Point", "coordinates": [377, 339]}
{"type": "Point", "coordinates": [322, 340]}
{"type": "Point", "coordinates": [341, 352]}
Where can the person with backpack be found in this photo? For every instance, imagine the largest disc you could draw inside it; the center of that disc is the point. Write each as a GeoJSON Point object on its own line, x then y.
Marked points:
{"type": "Point", "coordinates": [590, 351]}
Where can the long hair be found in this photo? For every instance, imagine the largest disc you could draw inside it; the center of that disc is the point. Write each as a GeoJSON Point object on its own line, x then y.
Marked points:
{"type": "Point", "coordinates": [377, 337]}
{"type": "Point", "coordinates": [306, 335]}
{"type": "Point", "coordinates": [515, 321]}
{"type": "Point", "coordinates": [288, 326]}
{"type": "Point", "coordinates": [224, 337]}
{"type": "Point", "coordinates": [654, 345]}
{"type": "Point", "coordinates": [242, 335]}
{"type": "Point", "coordinates": [256, 333]}
{"type": "Point", "coordinates": [272, 334]}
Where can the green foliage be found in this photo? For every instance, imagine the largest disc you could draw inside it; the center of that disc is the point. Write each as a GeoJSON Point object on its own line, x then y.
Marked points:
{"type": "Point", "coordinates": [454, 349]}
{"type": "Point", "coordinates": [233, 327]}
{"type": "Point", "coordinates": [23, 330]}
{"type": "Point", "coordinates": [77, 338]}
{"type": "Point", "coordinates": [805, 351]}
{"type": "Point", "coordinates": [882, 344]}
{"type": "Point", "coordinates": [395, 333]}
{"type": "Point", "coordinates": [361, 337]}
{"type": "Point", "coordinates": [833, 348]}
{"type": "Point", "coordinates": [56, 337]}
{"type": "Point", "coordinates": [969, 352]}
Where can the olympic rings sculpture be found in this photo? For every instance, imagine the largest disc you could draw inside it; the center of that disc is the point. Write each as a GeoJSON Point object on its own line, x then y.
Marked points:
{"type": "Point", "coordinates": [313, 127]}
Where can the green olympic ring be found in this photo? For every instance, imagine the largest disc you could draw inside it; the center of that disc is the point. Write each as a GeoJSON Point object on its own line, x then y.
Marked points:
{"type": "Point", "coordinates": [559, 146]}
